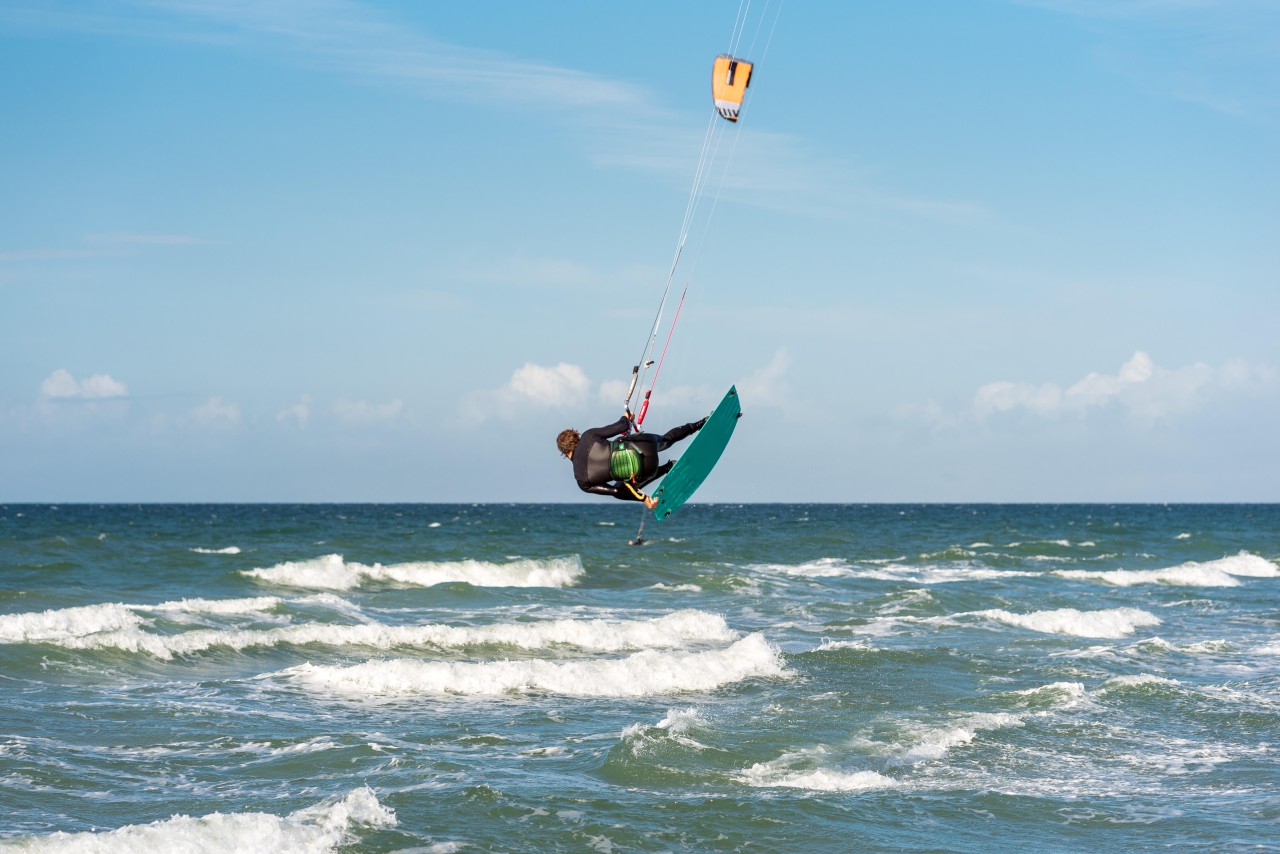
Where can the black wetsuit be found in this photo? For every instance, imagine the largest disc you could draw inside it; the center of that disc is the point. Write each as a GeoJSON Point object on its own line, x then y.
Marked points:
{"type": "Point", "coordinates": [591, 458]}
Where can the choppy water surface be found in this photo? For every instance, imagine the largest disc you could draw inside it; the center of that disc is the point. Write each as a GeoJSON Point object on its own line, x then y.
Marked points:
{"type": "Point", "coordinates": [761, 677]}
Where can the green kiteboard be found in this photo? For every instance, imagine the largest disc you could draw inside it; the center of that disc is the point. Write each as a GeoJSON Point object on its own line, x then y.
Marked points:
{"type": "Point", "coordinates": [693, 466]}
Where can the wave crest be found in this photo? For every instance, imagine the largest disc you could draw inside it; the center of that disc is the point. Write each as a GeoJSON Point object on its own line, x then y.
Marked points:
{"type": "Point", "coordinates": [663, 632]}
{"type": "Point", "coordinates": [319, 828]}
{"type": "Point", "coordinates": [331, 572]}
{"type": "Point", "coordinates": [1108, 623]}
{"type": "Point", "coordinates": [1214, 573]}
{"type": "Point", "coordinates": [642, 674]}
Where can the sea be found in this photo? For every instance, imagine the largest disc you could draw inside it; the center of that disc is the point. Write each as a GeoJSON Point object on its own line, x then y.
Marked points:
{"type": "Point", "coordinates": [759, 677]}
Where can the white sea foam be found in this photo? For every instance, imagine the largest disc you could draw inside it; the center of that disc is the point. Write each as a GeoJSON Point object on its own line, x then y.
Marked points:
{"type": "Point", "coordinates": [251, 605]}
{"type": "Point", "coordinates": [320, 828]}
{"type": "Point", "coordinates": [901, 601]}
{"type": "Point", "coordinates": [817, 780]}
{"type": "Point", "coordinates": [331, 572]}
{"type": "Point", "coordinates": [1215, 573]}
{"type": "Point", "coordinates": [1109, 623]}
{"type": "Point", "coordinates": [675, 726]}
{"type": "Point", "coordinates": [681, 720]}
{"type": "Point", "coordinates": [120, 624]}
{"type": "Point", "coordinates": [826, 567]}
{"type": "Point", "coordinates": [933, 744]}
{"type": "Point", "coordinates": [676, 588]}
{"type": "Point", "coordinates": [1205, 647]}
{"type": "Point", "coordinates": [671, 630]}
{"type": "Point", "coordinates": [314, 745]}
{"type": "Point", "coordinates": [1135, 681]}
{"type": "Point", "coordinates": [63, 623]}
{"type": "Point", "coordinates": [229, 550]}
{"type": "Point", "coordinates": [942, 573]}
{"type": "Point", "coordinates": [1063, 695]}
{"type": "Point", "coordinates": [555, 750]}
{"type": "Point", "coordinates": [794, 771]}
{"type": "Point", "coordinates": [642, 674]}
{"type": "Point", "coordinates": [828, 644]}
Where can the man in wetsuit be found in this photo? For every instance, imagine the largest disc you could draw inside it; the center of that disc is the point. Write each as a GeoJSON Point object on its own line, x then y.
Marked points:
{"type": "Point", "coordinates": [620, 468]}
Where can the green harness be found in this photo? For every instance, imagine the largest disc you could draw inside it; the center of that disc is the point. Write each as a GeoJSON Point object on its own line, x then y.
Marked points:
{"type": "Point", "coordinates": [624, 462]}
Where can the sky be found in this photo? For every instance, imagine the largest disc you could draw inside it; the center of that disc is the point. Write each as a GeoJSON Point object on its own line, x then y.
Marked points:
{"type": "Point", "coordinates": [326, 250]}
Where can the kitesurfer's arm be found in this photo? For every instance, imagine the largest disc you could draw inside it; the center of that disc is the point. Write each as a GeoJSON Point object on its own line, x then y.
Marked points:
{"type": "Point", "coordinates": [617, 428]}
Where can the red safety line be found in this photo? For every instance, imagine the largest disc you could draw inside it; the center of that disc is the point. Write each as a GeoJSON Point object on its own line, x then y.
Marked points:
{"type": "Point", "coordinates": [663, 357]}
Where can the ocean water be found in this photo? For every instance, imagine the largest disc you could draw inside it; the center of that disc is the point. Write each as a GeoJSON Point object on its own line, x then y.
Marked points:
{"type": "Point", "coordinates": [517, 678]}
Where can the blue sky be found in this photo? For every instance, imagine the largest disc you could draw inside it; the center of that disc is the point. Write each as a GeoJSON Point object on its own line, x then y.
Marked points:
{"type": "Point", "coordinates": [320, 250]}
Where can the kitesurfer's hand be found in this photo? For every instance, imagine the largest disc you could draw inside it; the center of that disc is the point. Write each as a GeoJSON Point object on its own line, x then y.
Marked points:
{"type": "Point", "coordinates": [651, 502]}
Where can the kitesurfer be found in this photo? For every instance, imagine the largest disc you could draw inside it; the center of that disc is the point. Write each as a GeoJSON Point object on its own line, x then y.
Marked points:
{"type": "Point", "coordinates": [622, 467]}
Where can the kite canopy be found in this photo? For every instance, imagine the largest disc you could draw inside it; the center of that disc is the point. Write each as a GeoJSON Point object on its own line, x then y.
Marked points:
{"type": "Point", "coordinates": [730, 78]}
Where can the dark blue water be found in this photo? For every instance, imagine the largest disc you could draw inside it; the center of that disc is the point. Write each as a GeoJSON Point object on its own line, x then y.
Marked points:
{"type": "Point", "coordinates": [759, 677]}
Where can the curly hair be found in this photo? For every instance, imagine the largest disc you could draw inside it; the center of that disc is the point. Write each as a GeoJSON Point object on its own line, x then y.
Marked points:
{"type": "Point", "coordinates": [567, 441]}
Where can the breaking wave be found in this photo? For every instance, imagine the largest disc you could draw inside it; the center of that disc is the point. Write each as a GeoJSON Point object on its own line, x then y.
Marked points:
{"type": "Point", "coordinates": [932, 745]}
{"type": "Point", "coordinates": [312, 830]}
{"type": "Point", "coordinates": [331, 572]}
{"type": "Point", "coordinates": [65, 625]}
{"type": "Point", "coordinates": [670, 630]}
{"type": "Point", "coordinates": [794, 771]}
{"type": "Point", "coordinates": [645, 673]}
{"type": "Point", "coordinates": [1223, 572]}
{"type": "Point", "coordinates": [1109, 623]}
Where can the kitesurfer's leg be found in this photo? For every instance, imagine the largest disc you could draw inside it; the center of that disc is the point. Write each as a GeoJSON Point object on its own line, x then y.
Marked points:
{"type": "Point", "coordinates": [661, 470]}
{"type": "Point", "coordinates": [675, 434]}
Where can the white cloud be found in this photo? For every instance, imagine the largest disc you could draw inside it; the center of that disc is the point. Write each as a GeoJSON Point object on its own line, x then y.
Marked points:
{"type": "Point", "coordinates": [359, 413]}
{"type": "Point", "coordinates": [1239, 375]}
{"type": "Point", "coordinates": [1141, 388]}
{"type": "Point", "coordinates": [561, 386]}
{"type": "Point", "coordinates": [768, 386]}
{"type": "Point", "coordinates": [299, 412]}
{"type": "Point", "coordinates": [215, 412]}
{"type": "Point", "coordinates": [614, 392]}
{"type": "Point", "coordinates": [61, 384]}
